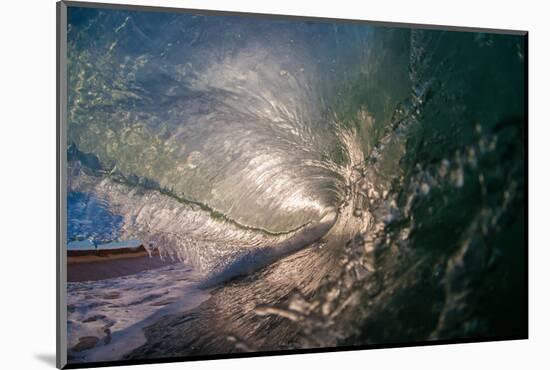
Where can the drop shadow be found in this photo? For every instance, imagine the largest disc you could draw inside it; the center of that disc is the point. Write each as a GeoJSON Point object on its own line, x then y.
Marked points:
{"type": "Point", "coordinates": [46, 358]}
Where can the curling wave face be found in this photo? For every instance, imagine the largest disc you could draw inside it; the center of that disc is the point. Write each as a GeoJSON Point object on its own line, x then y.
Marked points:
{"type": "Point", "coordinates": [233, 147]}
{"type": "Point", "coordinates": [347, 175]}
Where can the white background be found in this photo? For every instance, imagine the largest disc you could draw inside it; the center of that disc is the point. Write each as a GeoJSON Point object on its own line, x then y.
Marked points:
{"type": "Point", "coordinates": [27, 180]}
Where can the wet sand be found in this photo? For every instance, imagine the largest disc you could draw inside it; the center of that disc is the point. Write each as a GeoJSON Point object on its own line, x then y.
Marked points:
{"type": "Point", "coordinates": [110, 265]}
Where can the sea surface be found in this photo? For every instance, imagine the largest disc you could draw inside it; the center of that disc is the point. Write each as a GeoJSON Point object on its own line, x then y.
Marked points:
{"type": "Point", "coordinates": [320, 184]}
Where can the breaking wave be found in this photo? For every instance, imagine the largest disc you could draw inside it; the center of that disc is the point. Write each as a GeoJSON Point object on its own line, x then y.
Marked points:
{"type": "Point", "coordinates": [336, 184]}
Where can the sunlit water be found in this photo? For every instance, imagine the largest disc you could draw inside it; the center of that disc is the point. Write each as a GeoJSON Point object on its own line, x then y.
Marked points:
{"type": "Point", "coordinates": [321, 184]}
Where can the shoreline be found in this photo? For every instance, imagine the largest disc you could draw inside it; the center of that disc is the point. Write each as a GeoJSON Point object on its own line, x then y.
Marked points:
{"type": "Point", "coordinates": [107, 264]}
{"type": "Point", "coordinates": [78, 257]}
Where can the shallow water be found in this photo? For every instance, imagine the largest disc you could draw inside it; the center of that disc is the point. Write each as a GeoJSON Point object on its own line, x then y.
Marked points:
{"type": "Point", "coordinates": [116, 310]}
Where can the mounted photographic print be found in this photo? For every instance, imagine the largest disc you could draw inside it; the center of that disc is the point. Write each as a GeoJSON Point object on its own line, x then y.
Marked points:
{"type": "Point", "coordinates": [235, 184]}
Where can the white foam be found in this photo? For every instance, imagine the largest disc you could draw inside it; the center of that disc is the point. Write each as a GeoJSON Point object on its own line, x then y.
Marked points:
{"type": "Point", "coordinates": [116, 310]}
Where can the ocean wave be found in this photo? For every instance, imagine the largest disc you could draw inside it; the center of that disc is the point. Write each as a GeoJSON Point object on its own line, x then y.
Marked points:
{"type": "Point", "coordinates": [338, 184]}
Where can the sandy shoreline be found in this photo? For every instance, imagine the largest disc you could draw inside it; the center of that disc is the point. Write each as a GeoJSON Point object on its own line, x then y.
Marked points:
{"type": "Point", "coordinates": [104, 265]}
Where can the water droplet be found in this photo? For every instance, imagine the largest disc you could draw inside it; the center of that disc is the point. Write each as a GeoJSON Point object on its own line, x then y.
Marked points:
{"type": "Point", "coordinates": [424, 188]}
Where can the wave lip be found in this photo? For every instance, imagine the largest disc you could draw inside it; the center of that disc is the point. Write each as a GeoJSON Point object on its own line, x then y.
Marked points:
{"type": "Point", "coordinates": [261, 257]}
